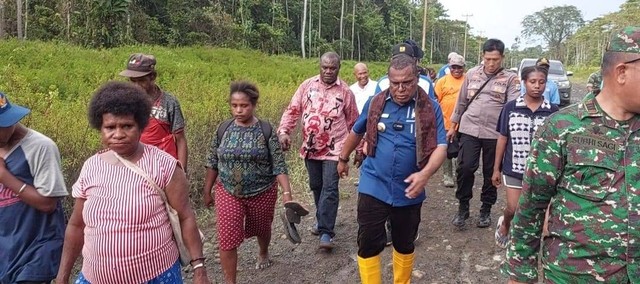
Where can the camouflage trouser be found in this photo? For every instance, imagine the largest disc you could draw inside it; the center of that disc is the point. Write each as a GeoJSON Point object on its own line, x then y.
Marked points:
{"type": "Point", "coordinates": [554, 273]}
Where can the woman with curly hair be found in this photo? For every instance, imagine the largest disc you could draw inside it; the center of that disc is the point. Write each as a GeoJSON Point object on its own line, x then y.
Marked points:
{"type": "Point", "coordinates": [119, 220]}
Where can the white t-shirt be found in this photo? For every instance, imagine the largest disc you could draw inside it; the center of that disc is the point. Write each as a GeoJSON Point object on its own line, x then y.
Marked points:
{"type": "Point", "coordinates": [363, 94]}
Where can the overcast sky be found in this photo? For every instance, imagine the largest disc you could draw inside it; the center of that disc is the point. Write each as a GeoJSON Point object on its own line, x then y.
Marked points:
{"type": "Point", "coordinates": [501, 18]}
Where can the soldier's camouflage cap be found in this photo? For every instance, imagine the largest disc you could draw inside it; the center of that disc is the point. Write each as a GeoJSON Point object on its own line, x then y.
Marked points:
{"type": "Point", "coordinates": [627, 40]}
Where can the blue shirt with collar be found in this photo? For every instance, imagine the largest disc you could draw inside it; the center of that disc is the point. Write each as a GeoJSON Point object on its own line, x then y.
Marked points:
{"type": "Point", "coordinates": [424, 82]}
{"type": "Point", "coordinates": [551, 92]}
{"type": "Point", "coordinates": [382, 176]}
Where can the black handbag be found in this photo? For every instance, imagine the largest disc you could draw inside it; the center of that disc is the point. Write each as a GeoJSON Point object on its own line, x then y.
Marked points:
{"type": "Point", "coordinates": [453, 147]}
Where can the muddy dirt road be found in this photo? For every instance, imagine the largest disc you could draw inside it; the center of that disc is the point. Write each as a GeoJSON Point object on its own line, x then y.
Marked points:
{"type": "Point", "coordinates": [444, 254]}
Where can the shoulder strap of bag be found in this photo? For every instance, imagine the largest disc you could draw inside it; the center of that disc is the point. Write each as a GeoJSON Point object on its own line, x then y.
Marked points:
{"type": "Point", "coordinates": [480, 89]}
{"type": "Point", "coordinates": [222, 129]}
{"type": "Point", "coordinates": [143, 174]}
{"type": "Point", "coordinates": [266, 132]}
{"type": "Point", "coordinates": [264, 125]}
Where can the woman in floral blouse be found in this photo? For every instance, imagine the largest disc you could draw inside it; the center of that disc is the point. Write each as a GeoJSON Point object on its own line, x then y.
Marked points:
{"type": "Point", "coordinates": [244, 167]}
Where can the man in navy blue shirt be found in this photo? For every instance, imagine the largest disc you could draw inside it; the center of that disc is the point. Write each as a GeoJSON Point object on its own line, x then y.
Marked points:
{"type": "Point", "coordinates": [392, 182]}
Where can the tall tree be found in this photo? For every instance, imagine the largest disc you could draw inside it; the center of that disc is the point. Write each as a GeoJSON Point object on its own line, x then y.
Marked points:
{"type": "Point", "coordinates": [341, 25]}
{"type": "Point", "coordinates": [554, 25]}
{"type": "Point", "coordinates": [304, 22]}
{"type": "Point", "coordinates": [353, 27]}
{"type": "Point", "coordinates": [2, 19]}
{"type": "Point", "coordinates": [19, 18]}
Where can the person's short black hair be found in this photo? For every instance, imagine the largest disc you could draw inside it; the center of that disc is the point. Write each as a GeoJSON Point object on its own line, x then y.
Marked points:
{"type": "Point", "coordinates": [331, 56]}
{"type": "Point", "coordinates": [402, 61]}
{"type": "Point", "coordinates": [119, 98]}
{"type": "Point", "coordinates": [246, 88]}
{"type": "Point", "coordinates": [526, 71]}
{"type": "Point", "coordinates": [493, 45]}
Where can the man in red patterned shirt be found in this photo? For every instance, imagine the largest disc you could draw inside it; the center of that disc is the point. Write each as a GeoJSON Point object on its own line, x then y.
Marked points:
{"type": "Point", "coordinates": [328, 110]}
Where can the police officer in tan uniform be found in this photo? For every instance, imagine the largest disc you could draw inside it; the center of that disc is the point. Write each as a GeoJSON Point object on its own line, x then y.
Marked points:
{"type": "Point", "coordinates": [484, 92]}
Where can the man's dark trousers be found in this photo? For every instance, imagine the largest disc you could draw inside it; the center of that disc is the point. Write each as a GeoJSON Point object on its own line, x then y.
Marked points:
{"type": "Point", "coordinates": [323, 181]}
{"type": "Point", "coordinates": [468, 162]}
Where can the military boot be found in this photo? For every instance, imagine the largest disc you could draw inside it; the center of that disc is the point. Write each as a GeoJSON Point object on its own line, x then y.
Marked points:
{"type": "Point", "coordinates": [485, 216]}
{"type": "Point", "coordinates": [462, 215]}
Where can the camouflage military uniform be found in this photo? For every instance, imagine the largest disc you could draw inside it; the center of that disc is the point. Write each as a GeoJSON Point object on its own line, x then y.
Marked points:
{"type": "Point", "coordinates": [586, 162]}
{"type": "Point", "coordinates": [595, 81]}
{"type": "Point", "coordinates": [585, 165]}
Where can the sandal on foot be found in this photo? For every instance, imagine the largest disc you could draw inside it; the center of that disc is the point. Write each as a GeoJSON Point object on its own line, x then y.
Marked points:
{"type": "Point", "coordinates": [501, 240]}
{"type": "Point", "coordinates": [262, 264]}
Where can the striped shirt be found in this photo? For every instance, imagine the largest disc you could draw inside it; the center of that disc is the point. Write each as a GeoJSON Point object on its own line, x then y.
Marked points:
{"type": "Point", "coordinates": [127, 237]}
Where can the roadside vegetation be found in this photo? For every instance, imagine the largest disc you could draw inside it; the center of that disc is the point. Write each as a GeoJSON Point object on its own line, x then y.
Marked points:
{"type": "Point", "coordinates": [57, 80]}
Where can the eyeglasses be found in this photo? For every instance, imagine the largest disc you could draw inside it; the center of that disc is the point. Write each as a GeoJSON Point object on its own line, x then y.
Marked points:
{"type": "Point", "coordinates": [632, 61]}
{"type": "Point", "coordinates": [398, 85]}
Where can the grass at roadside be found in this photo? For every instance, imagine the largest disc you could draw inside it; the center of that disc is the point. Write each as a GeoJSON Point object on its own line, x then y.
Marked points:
{"type": "Point", "coordinates": [56, 81]}
{"type": "Point", "coordinates": [581, 73]}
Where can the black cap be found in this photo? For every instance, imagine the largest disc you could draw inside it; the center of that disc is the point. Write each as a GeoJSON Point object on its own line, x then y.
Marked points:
{"type": "Point", "coordinates": [402, 48]}
{"type": "Point", "coordinates": [417, 51]}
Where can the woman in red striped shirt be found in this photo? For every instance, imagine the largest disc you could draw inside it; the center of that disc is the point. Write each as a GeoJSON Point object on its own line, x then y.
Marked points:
{"type": "Point", "coordinates": [119, 220]}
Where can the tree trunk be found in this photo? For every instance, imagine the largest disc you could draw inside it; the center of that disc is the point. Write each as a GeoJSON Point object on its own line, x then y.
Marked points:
{"type": "Point", "coordinates": [26, 17]}
{"type": "Point", "coordinates": [359, 52]}
{"type": "Point", "coordinates": [128, 33]}
{"type": "Point", "coordinates": [341, 26]}
{"type": "Point", "coordinates": [310, 28]}
{"type": "Point", "coordinates": [424, 24]}
{"type": "Point", "coordinates": [410, 23]}
{"type": "Point", "coordinates": [353, 28]}
{"type": "Point", "coordinates": [67, 12]}
{"type": "Point", "coordinates": [433, 32]}
{"type": "Point", "coordinates": [286, 7]}
{"type": "Point", "coordinates": [319, 21]}
{"type": "Point", "coordinates": [304, 23]}
{"type": "Point", "coordinates": [19, 18]}
{"type": "Point", "coordinates": [2, 28]}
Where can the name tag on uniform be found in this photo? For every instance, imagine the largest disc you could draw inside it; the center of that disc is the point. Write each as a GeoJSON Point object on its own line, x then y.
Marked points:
{"type": "Point", "coordinates": [385, 115]}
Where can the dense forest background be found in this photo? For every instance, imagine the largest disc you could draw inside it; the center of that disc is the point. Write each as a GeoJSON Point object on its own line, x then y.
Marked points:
{"type": "Point", "coordinates": [356, 29]}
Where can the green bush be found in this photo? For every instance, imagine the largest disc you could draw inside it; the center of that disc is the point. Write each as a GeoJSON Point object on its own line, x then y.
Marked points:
{"type": "Point", "coordinates": [56, 81]}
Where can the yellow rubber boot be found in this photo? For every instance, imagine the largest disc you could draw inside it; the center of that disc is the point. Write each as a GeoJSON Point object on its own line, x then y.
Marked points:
{"type": "Point", "coordinates": [370, 270]}
{"type": "Point", "coordinates": [402, 267]}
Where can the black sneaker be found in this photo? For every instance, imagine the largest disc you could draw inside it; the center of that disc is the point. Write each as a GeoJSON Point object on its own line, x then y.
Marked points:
{"type": "Point", "coordinates": [484, 220]}
{"type": "Point", "coordinates": [459, 218]}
